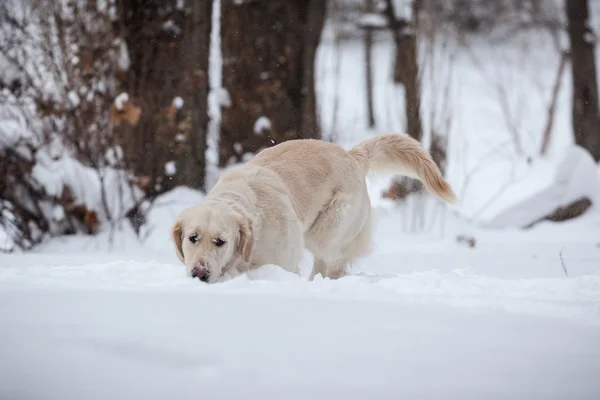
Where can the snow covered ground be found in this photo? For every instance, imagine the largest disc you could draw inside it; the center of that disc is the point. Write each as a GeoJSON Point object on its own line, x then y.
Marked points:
{"type": "Point", "coordinates": [515, 317]}
{"type": "Point", "coordinates": [423, 317]}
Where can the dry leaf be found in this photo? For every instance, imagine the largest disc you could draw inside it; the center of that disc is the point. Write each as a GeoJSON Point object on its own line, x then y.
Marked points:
{"type": "Point", "coordinates": [129, 114]}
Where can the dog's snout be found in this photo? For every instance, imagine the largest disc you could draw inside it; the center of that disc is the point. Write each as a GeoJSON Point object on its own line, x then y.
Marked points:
{"type": "Point", "coordinates": [201, 273]}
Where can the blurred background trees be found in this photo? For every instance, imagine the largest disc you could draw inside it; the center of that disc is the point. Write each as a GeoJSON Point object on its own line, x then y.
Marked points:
{"type": "Point", "coordinates": [269, 50]}
{"type": "Point", "coordinates": [106, 104]}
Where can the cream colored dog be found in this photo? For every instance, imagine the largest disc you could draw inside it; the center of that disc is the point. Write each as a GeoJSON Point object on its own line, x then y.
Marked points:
{"type": "Point", "coordinates": [299, 194]}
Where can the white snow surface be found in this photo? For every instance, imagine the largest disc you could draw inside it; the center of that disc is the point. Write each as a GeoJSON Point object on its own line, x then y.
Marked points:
{"type": "Point", "coordinates": [120, 100]}
{"type": "Point", "coordinates": [114, 316]}
{"type": "Point", "coordinates": [262, 125]}
{"type": "Point", "coordinates": [422, 317]}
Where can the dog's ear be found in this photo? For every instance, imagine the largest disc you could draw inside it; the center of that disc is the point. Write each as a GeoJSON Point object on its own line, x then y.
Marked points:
{"type": "Point", "coordinates": [246, 240]}
{"type": "Point", "coordinates": [176, 234]}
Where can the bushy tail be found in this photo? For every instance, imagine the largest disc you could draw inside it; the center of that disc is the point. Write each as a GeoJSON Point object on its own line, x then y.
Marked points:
{"type": "Point", "coordinates": [403, 155]}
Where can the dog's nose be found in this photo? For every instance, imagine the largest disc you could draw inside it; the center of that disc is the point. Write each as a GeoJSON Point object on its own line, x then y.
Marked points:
{"type": "Point", "coordinates": [200, 273]}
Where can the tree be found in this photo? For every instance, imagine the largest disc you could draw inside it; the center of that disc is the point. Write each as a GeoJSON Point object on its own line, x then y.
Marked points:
{"type": "Point", "coordinates": [269, 50]}
{"type": "Point", "coordinates": [406, 69]}
{"type": "Point", "coordinates": [406, 72]}
{"type": "Point", "coordinates": [585, 112]}
{"type": "Point", "coordinates": [167, 44]}
{"type": "Point", "coordinates": [369, 24]}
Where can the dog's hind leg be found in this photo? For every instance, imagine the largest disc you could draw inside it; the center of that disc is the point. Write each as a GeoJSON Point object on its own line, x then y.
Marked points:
{"type": "Point", "coordinates": [319, 267]}
{"type": "Point", "coordinates": [359, 247]}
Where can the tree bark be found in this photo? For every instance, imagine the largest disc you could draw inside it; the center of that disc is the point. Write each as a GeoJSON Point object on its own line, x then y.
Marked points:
{"type": "Point", "coordinates": [194, 52]}
{"type": "Point", "coordinates": [438, 151]}
{"type": "Point", "coordinates": [269, 50]}
{"type": "Point", "coordinates": [369, 67]}
{"type": "Point", "coordinates": [564, 213]}
{"type": "Point", "coordinates": [585, 113]}
{"type": "Point", "coordinates": [406, 72]}
{"type": "Point", "coordinates": [168, 52]}
{"type": "Point", "coordinates": [406, 69]}
{"type": "Point", "coordinates": [313, 26]}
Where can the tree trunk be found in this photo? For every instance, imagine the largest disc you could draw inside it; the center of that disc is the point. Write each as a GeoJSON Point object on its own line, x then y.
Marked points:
{"type": "Point", "coordinates": [369, 67]}
{"type": "Point", "coordinates": [585, 114]}
{"type": "Point", "coordinates": [313, 21]}
{"type": "Point", "coordinates": [438, 151]}
{"type": "Point", "coordinates": [194, 52]}
{"type": "Point", "coordinates": [269, 50]}
{"type": "Point", "coordinates": [406, 72]}
{"type": "Point", "coordinates": [168, 52]}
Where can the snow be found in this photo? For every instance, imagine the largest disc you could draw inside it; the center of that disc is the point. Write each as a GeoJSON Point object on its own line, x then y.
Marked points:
{"type": "Point", "coordinates": [120, 100]}
{"type": "Point", "coordinates": [474, 94]}
{"type": "Point", "coordinates": [102, 5]}
{"type": "Point", "coordinates": [73, 99]}
{"type": "Point", "coordinates": [575, 177]}
{"type": "Point", "coordinates": [238, 148]}
{"type": "Point", "coordinates": [58, 213]}
{"type": "Point", "coordinates": [171, 27]}
{"type": "Point", "coordinates": [215, 96]}
{"type": "Point", "coordinates": [222, 97]}
{"type": "Point", "coordinates": [178, 102]}
{"type": "Point", "coordinates": [262, 125]}
{"type": "Point", "coordinates": [114, 316]}
{"type": "Point", "coordinates": [86, 185]}
{"type": "Point", "coordinates": [6, 243]}
{"type": "Point", "coordinates": [500, 318]}
{"type": "Point", "coordinates": [114, 156]}
{"type": "Point", "coordinates": [170, 168]}
{"type": "Point", "coordinates": [372, 20]}
{"type": "Point", "coordinates": [589, 37]}
{"type": "Point", "coordinates": [124, 62]}
{"type": "Point", "coordinates": [11, 132]}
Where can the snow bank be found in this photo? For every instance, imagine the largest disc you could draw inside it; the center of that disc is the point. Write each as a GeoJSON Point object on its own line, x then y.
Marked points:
{"type": "Point", "coordinates": [156, 233]}
{"type": "Point", "coordinates": [86, 185]}
{"type": "Point", "coordinates": [574, 177]}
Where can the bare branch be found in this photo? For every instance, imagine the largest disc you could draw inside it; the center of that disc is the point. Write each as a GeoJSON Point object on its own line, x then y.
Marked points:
{"type": "Point", "coordinates": [562, 261]}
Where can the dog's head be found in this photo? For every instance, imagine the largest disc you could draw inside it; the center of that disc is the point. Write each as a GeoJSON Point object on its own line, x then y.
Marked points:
{"type": "Point", "coordinates": [210, 238]}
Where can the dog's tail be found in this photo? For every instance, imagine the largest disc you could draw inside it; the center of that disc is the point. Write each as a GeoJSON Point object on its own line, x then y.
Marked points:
{"type": "Point", "coordinates": [402, 155]}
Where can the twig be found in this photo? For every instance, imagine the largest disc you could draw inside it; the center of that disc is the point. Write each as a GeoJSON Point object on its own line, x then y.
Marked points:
{"type": "Point", "coordinates": [562, 261]}
{"type": "Point", "coordinates": [547, 134]}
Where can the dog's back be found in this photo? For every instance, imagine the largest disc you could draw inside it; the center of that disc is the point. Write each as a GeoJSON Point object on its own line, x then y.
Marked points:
{"type": "Point", "coordinates": [313, 171]}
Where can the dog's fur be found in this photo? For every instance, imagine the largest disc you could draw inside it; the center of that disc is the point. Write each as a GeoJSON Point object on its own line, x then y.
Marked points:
{"type": "Point", "coordinates": [299, 194]}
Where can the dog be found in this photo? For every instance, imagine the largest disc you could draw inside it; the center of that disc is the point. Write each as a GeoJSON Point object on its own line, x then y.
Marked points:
{"type": "Point", "coordinates": [300, 194]}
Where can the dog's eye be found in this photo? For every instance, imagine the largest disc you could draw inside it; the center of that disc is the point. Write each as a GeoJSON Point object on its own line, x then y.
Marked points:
{"type": "Point", "coordinates": [193, 238]}
{"type": "Point", "coordinates": [218, 242]}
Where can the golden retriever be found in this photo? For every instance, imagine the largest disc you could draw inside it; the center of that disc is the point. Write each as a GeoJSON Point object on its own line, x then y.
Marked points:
{"type": "Point", "coordinates": [295, 195]}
